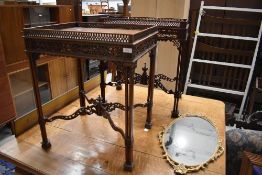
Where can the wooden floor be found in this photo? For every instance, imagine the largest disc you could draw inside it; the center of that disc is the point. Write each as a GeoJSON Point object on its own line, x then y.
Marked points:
{"type": "Point", "coordinates": [88, 145]}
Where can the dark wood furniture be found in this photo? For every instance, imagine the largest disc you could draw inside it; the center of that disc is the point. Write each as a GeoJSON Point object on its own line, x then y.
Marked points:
{"type": "Point", "coordinates": [121, 44]}
{"type": "Point", "coordinates": [77, 6]}
{"type": "Point", "coordinates": [88, 145]}
{"type": "Point", "coordinates": [256, 95]}
{"type": "Point", "coordinates": [250, 160]}
{"type": "Point", "coordinates": [172, 30]}
{"type": "Point", "coordinates": [15, 17]}
{"type": "Point", "coordinates": [92, 65]}
{"type": "Point", "coordinates": [55, 71]}
{"type": "Point", "coordinates": [7, 111]}
{"type": "Point", "coordinates": [252, 120]}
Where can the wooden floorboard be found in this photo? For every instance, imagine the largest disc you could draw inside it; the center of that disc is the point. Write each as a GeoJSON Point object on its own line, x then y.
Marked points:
{"type": "Point", "coordinates": [88, 145]}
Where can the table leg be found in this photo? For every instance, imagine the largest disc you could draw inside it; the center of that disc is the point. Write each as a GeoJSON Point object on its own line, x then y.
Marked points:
{"type": "Point", "coordinates": [12, 126]}
{"type": "Point", "coordinates": [129, 113]}
{"type": "Point", "coordinates": [102, 68]}
{"type": "Point", "coordinates": [81, 82]}
{"type": "Point", "coordinates": [118, 78]}
{"type": "Point", "coordinates": [175, 112]}
{"type": "Point", "coordinates": [183, 65]}
{"type": "Point", "coordinates": [32, 59]}
{"type": "Point", "coordinates": [151, 80]}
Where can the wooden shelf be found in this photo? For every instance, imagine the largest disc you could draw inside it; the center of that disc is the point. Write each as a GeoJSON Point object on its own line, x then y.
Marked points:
{"type": "Point", "coordinates": [17, 65]}
{"type": "Point", "coordinates": [35, 24]}
{"type": "Point", "coordinates": [22, 65]}
{"type": "Point", "coordinates": [20, 87]}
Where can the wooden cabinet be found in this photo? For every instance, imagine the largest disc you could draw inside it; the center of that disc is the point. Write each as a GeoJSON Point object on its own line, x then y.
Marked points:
{"type": "Point", "coordinates": [14, 18]}
{"type": "Point", "coordinates": [71, 73]}
{"type": "Point", "coordinates": [11, 18]}
{"type": "Point", "coordinates": [7, 112]}
{"type": "Point", "coordinates": [22, 89]}
{"type": "Point", "coordinates": [63, 75]}
{"type": "Point", "coordinates": [77, 4]}
{"type": "Point", "coordinates": [66, 14]}
{"type": "Point", "coordinates": [56, 75]}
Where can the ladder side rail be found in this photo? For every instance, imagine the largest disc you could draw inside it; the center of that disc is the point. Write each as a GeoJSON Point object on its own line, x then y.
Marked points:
{"type": "Point", "coordinates": [233, 9]}
{"type": "Point", "coordinates": [250, 73]}
{"type": "Point", "coordinates": [194, 46]}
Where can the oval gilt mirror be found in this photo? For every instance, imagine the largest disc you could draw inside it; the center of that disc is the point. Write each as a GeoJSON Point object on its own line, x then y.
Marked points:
{"type": "Point", "coordinates": [190, 143]}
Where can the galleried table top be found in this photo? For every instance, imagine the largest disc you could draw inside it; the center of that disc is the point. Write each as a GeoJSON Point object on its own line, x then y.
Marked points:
{"type": "Point", "coordinates": [116, 42]}
{"type": "Point", "coordinates": [170, 29]}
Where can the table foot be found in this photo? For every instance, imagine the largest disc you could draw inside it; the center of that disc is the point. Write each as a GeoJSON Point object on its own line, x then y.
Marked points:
{"type": "Point", "coordinates": [46, 145]}
{"type": "Point", "coordinates": [118, 87]}
{"type": "Point", "coordinates": [175, 114]}
{"type": "Point", "coordinates": [128, 166]}
{"type": "Point", "coordinates": [82, 112]}
{"type": "Point", "coordinates": [148, 125]}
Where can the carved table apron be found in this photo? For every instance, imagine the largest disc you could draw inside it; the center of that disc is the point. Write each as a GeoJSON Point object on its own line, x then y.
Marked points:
{"type": "Point", "coordinates": [172, 30]}
{"type": "Point", "coordinates": [121, 44]}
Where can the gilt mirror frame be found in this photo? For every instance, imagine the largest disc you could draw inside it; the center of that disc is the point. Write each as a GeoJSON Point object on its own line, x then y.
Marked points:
{"type": "Point", "coordinates": [182, 168]}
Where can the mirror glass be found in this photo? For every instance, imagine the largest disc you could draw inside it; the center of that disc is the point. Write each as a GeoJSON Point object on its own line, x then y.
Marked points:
{"type": "Point", "coordinates": [191, 140]}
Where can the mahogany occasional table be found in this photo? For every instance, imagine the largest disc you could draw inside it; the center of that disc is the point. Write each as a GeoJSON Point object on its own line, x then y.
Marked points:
{"type": "Point", "coordinates": [170, 30]}
{"type": "Point", "coordinates": [121, 44]}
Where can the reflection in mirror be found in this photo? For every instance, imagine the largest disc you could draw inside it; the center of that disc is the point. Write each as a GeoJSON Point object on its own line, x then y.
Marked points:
{"type": "Point", "coordinates": [190, 142]}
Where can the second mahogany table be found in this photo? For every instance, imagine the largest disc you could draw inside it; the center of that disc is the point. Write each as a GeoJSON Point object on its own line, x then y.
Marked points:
{"type": "Point", "coordinates": [170, 30]}
{"type": "Point", "coordinates": [121, 44]}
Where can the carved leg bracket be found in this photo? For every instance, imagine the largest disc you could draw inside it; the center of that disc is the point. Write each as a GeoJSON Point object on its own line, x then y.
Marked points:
{"type": "Point", "coordinates": [139, 79]}
{"type": "Point", "coordinates": [144, 79]}
{"type": "Point", "coordinates": [142, 105]}
{"type": "Point", "coordinates": [159, 84]}
{"type": "Point", "coordinates": [97, 107]}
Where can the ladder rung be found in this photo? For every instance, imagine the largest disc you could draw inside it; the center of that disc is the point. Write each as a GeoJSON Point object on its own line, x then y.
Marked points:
{"type": "Point", "coordinates": [228, 36]}
{"type": "Point", "coordinates": [233, 9]}
{"type": "Point", "coordinates": [215, 89]}
{"type": "Point", "coordinates": [223, 63]}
